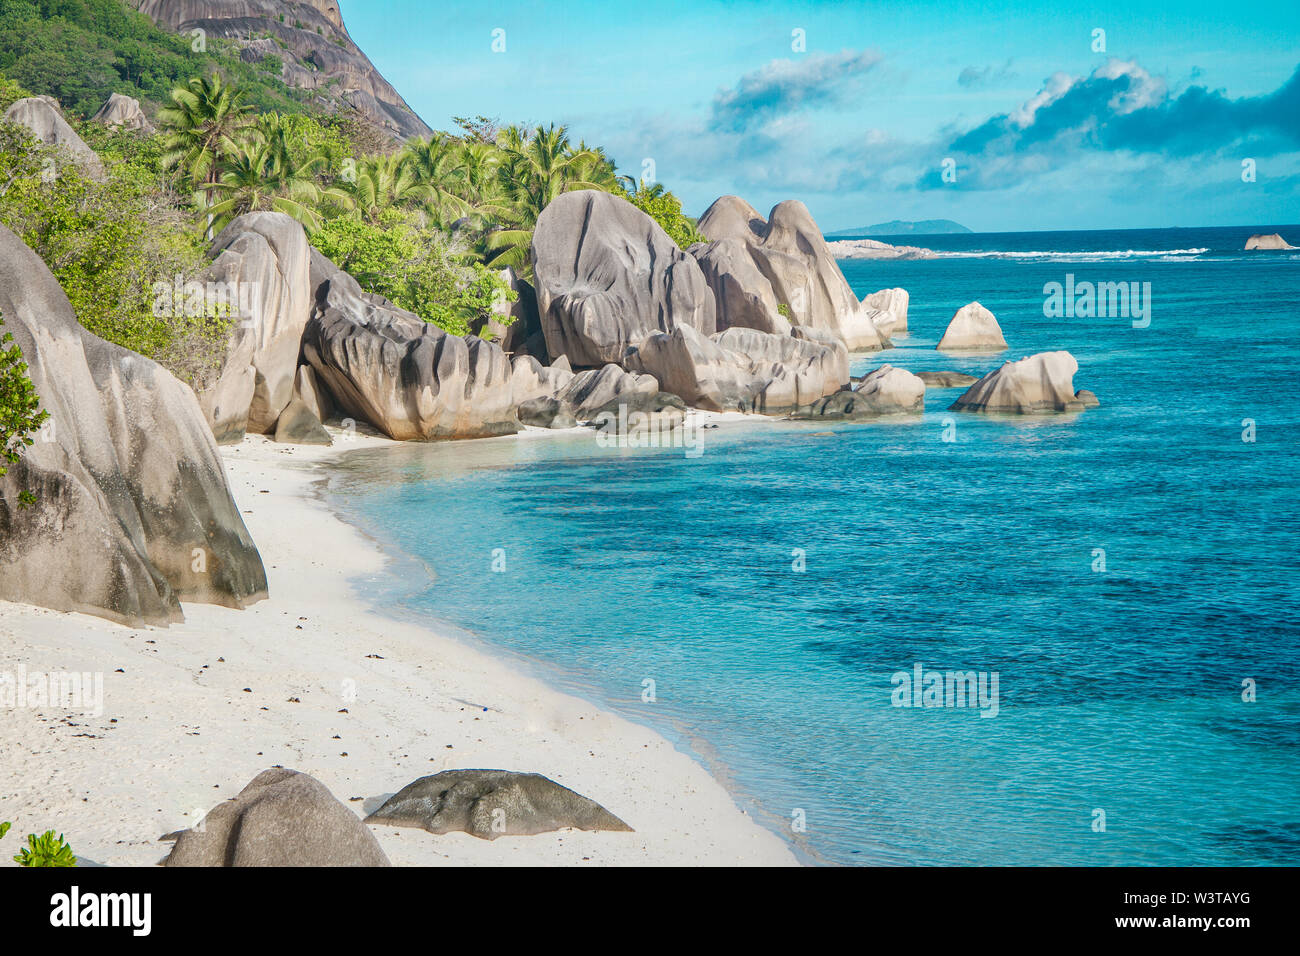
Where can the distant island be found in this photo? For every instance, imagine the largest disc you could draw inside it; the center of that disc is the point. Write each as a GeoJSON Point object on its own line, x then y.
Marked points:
{"type": "Point", "coordinates": [899, 227]}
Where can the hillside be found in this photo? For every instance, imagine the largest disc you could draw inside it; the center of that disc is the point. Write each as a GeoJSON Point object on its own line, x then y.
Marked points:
{"type": "Point", "coordinates": [901, 227]}
{"type": "Point", "coordinates": [81, 51]}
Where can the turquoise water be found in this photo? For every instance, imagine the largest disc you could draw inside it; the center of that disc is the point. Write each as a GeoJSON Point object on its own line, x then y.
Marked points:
{"type": "Point", "coordinates": [1120, 690]}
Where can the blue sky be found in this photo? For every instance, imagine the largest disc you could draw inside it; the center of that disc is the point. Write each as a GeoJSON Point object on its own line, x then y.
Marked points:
{"type": "Point", "coordinates": [1041, 131]}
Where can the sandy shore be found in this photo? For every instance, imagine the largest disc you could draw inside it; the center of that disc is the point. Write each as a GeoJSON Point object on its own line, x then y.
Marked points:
{"type": "Point", "coordinates": [313, 680]}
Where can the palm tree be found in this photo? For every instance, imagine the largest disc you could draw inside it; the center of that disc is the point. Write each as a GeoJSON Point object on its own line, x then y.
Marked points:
{"type": "Point", "coordinates": [201, 128]}
{"type": "Point", "coordinates": [538, 165]}
{"type": "Point", "coordinates": [382, 183]}
{"type": "Point", "coordinates": [437, 164]}
{"type": "Point", "coordinates": [261, 177]}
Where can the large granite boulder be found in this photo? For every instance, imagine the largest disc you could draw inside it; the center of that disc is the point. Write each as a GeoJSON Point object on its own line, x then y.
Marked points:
{"type": "Point", "coordinates": [596, 389]}
{"type": "Point", "coordinates": [492, 803]}
{"type": "Point", "coordinates": [884, 391]}
{"type": "Point", "coordinates": [531, 379]}
{"type": "Point", "coordinates": [742, 369]}
{"type": "Point", "coordinates": [1271, 241]}
{"type": "Point", "coordinates": [891, 307]}
{"type": "Point", "coordinates": [42, 116]}
{"type": "Point", "coordinates": [123, 111]}
{"type": "Point", "coordinates": [262, 267]}
{"type": "Point", "coordinates": [608, 276]}
{"type": "Point", "coordinates": [1037, 383]}
{"type": "Point", "coordinates": [410, 379]}
{"type": "Point", "coordinates": [519, 329]}
{"type": "Point", "coordinates": [973, 329]}
{"type": "Point", "coordinates": [788, 252]}
{"type": "Point", "coordinates": [133, 513]}
{"type": "Point", "coordinates": [299, 425]}
{"type": "Point", "coordinates": [282, 818]}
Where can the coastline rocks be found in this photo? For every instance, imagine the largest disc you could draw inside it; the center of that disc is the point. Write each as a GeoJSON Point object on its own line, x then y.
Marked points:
{"type": "Point", "coordinates": [299, 425]}
{"type": "Point", "coordinates": [124, 111]}
{"type": "Point", "coordinates": [789, 253]}
{"type": "Point", "coordinates": [1036, 383]}
{"type": "Point", "coordinates": [744, 296]}
{"type": "Point", "coordinates": [891, 304]}
{"type": "Point", "coordinates": [607, 276]}
{"type": "Point", "coordinates": [947, 379]}
{"type": "Point", "coordinates": [531, 379]}
{"type": "Point", "coordinates": [742, 369]}
{"type": "Point", "coordinates": [262, 267]}
{"type": "Point", "coordinates": [594, 390]}
{"type": "Point", "coordinates": [133, 513]}
{"type": "Point", "coordinates": [282, 818]}
{"type": "Point", "coordinates": [875, 249]}
{"type": "Point", "coordinates": [972, 329]}
{"type": "Point", "coordinates": [410, 379]}
{"type": "Point", "coordinates": [883, 391]}
{"type": "Point", "coordinates": [42, 116]}
{"type": "Point", "coordinates": [545, 412]}
{"type": "Point", "coordinates": [308, 390]}
{"type": "Point", "coordinates": [1273, 241]}
{"type": "Point", "coordinates": [1086, 398]}
{"type": "Point", "coordinates": [492, 803]}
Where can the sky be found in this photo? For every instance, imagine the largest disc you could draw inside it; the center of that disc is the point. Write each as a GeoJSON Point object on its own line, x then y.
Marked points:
{"type": "Point", "coordinates": [1003, 116]}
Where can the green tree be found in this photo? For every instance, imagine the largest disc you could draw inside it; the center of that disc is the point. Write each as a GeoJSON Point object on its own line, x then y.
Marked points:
{"type": "Point", "coordinates": [666, 209]}
{"type": "Point", "coordinates": [202, 128]}
{"type": "Point", "coordinates": [20, 411]}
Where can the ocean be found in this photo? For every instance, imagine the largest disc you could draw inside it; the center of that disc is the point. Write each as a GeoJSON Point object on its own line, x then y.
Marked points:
{"type": "Point", "coordinates": [1125, 578]}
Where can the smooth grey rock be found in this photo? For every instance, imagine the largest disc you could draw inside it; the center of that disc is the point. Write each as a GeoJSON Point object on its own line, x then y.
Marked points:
{"type": "Point", "coordinates": [43, 117]}
{"type": "Point", "coordinates": [530, 379]}
{"type": "Point", "coordinates": [891, 306]}
{"type": "Point", "coordinates": [1036, 383]}
{"type": "Point", "coordinates": [592, 390]}
{"type": "Point", "coordinates": [973, 328]}
{"type": "Point", "coordinates": [947, 379]}
{"type": "Point", "coordinates": [308, 390]}
{"type": "Point", "coordinates": [298, 425]}
{"type": "Point", "coordinates": [262, 265]}
{"type": "Point", "coordinates": [410, 379]}
{"type": "Point", "coordinates": [1086, 398]}
{"type": "Point", "coordinates": [523, 335]}
{"type": "Point", "coordinates": [884, 391]}
{"type": "Point", "coordinates": [492, 803]}
{"type": "Point", "coordinates": [788, 251]}
{"type": "Point", "coordinates": [545, 412]}
{"type": "Point", "coordinates": [133, 513]}
{"type": "Point", "coordinates": [282, 818]}
{"type": "Point", "coordinates": [744, 295]}
{"type": "Point", "coordinates": [608, 276]}
{"type": "Point", "coordinates": [124, 111]}
{"type": "Point", "coordinates": [1272, 241]}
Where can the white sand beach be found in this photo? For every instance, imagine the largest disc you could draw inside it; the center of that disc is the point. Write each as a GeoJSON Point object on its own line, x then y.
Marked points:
{"type": "Point", "coordinates": [193, 712]}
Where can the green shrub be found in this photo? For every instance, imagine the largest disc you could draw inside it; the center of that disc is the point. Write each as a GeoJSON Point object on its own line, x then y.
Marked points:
{"type": "Point", "coordinates": [46, 850]}
{"type": "Point", "coordinates": [666, 209]}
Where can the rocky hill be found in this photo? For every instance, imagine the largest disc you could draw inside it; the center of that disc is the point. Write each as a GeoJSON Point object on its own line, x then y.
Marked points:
{"type": "Point", "coordinates": [311, 40]}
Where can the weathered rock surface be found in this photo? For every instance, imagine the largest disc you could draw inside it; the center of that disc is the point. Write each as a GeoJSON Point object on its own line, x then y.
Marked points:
{"type": "Point", "coordinates": [608, 276]}
{"type": "Point", "coordinates": [43, 117]}
{"type": "Point", "coordinates": [522, 334]}
{"type": "Point", "coordinates": [1086, 398]}
{"type": "Point", "coordinates": [531, 379]}
{"type": "Point", "coordinates": [1036, 383]}
{"type": "Point", "coordinates": [875, 249]}
{"type": "Point", "coordinates": [262, 262]}
{"type": "Point", "coordinates": [410, 379]}
{"type": "Point", "coordinates": [789, 252]}
{"type": "Point", "coordinates": [124, 111]}
{"type": "Point", "coordinates": [883, 391]}
{"type": "Point", "coordinates": [315, 47]}
{"type": "Point", "coordinates": [891, 306]}
{"type": "Point", "coordinates": [299, 425]}
{"type": "Point", "coordinates": [545, 412]}
{"type": "Point", "coordinates": [973, 329]}
{"type": "Point", "coordinates": [741, 369]}
{"type": "Point", "coordinates": [133, 511]}
{"type": "Point", "coordinates": [1273, 241]}
{"type": "Point", "coordinates": [947, 379]}
{"type": "Point", "coordinates": [308, 390]}
{"type": "Point", "coordinates": [492, 803]}
{"type": "Point", "coordinates": [282, 818]}
{"type": "Point", "coordinates": [593, 390]}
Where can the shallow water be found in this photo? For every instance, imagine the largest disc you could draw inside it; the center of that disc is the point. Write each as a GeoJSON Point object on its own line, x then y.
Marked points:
{"type": "Point", "coordinates": [1120, 690]}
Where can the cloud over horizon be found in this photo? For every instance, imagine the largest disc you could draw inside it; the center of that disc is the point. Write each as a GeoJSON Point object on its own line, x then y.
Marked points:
{"type": "Point", "coordinates": [781, 87]}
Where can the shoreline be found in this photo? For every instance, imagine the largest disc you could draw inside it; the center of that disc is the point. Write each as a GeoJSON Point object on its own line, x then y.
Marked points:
{"type": "Point", "coordinates": [179, 733]}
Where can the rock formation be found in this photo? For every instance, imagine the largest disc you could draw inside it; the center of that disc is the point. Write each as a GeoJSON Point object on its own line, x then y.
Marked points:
{"type": "Point", "coordinates": [317, 52]}
{"type": "Point", "coordinates": [43, 117]}
{"type": "Point", "coordinates": [282, 818]}
{"type": "Point", "coordinates": [891, 306]}
{"type": "Point", "coordinates": [262, 267]}
{"type": "Point", "coordinates": [800, 273]}
{"type": "Point", "coordinates": [973, 329]}
{"type": "Point", "coordinates": [492, 803]}
{"type": "Point", "coordinates": [608, 276]}
{"type": "Point", "coordinates": [1037, 383]}
{"type": "Point", "coordinates": [883, 391]}
{"type": "Point", "coordinates": [409, 379]}
{"type": "Point", "coordinates": [947, 379]}
{"type": "Point", "coordinates": [1273, 241]}
{"type": "Point", "coordinates": [133, 513]}
{"type": "Point", "coordinates": [123, 111]}
{"type": "Point", "coordinates": [742, 369]}
{"type": "Point", "coordinates": [875, 249]}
